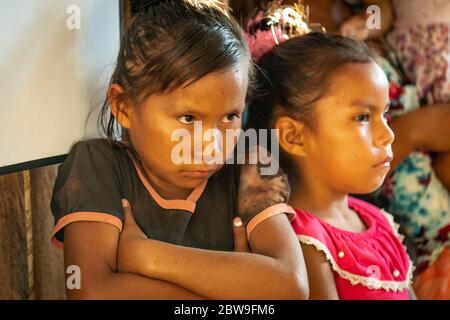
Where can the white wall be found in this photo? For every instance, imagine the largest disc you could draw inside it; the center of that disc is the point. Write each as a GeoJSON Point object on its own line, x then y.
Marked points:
{"type": "Point", "coordinates": [51, 77]}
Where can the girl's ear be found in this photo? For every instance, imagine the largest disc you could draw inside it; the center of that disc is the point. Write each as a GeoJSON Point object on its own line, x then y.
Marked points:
{"type": "Point", "coordinates": [292, 134]}
{"type": "Point", "coordinates": [119, 108]}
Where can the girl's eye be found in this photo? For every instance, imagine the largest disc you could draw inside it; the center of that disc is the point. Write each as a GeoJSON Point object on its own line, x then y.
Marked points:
{"type": "Point", "coordinates": [186, 119]}
{"type": "Point", "coordinates": [230, 118]}
{"type": "Point", "coordinates": [363, 117]}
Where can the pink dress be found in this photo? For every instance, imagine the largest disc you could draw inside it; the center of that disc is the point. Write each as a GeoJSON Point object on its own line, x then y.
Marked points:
{"type": "Point", "coordinates": [369, 265]}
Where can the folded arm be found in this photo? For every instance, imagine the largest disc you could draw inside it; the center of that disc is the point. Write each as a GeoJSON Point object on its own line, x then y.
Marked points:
{"type": "Point", "coordinates": [275, 269]}
{"type": "Point", "coordinates": [276, 256]}
{"type": "Point", "coordinates": [92, 246]}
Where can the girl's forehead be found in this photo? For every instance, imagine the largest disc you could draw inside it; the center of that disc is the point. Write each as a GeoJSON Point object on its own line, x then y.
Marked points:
{"type": "Point", "coordinates": [229, 87]}
{"type": "Point", "coordinates": [234, 79]}
{"type": "Point", "coordinates": [216, 92]}
{"type": "Point", "coordinates": [359, 85]}
{"type": "Point", "coordinates": [359, 79]}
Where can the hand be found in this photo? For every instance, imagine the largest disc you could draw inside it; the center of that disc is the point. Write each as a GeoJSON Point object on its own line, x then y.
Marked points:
{"type": "Point", "coordinates": [258, 192]}
{"type": "Point", "coordinates": [432, 129]}
{"type": "Point", "coordinates": [240, 236]}
{"type": "Point", "coordinates": [441, 166]}
{"type": "Point", "coordinates": [130, 238]}
{"type": "Point", "coordinates": [355, 27]}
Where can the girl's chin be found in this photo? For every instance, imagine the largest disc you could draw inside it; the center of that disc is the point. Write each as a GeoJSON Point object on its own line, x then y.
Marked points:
{"type": "Point", "coordinates": [191, 182]}
{"type": "Point", "coordinates": [369, 188]}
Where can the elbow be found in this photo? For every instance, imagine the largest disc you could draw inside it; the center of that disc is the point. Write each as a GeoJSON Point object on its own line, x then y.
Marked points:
{"type": "Point", "coordinates": [291, 281]}
{"type": "Point", "coordinates": [94, 293]}
{"type": "Point", "coordinates": [285, 288]}
{"type": "Point", "coordinates": [91, 289]}
{"type": "Point", "coordinates": [295, 279]}
{"type": "Point", "coordinates": [298, 287]}
{"type": "Point", "coordinates": [78, 294]}
{"type": "Point", "coordinates": [291, 286]}
{"type": "Point", "coordinates": [84, 294]}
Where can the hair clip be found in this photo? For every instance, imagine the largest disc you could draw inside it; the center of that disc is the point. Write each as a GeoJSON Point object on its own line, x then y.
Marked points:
{"type": "Point", "coordinates": [277, 24]}
{"type": "Point", "coordinates": [292, 20]}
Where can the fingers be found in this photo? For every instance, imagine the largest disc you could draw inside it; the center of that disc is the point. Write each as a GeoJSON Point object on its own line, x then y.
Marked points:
{"type": "Point", "coordinates": [127, 211]}
{"type": "Point", "coordinates": [240, 236]}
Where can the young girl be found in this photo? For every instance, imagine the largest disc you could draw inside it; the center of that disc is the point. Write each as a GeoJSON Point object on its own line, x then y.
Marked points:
{"type": "Point", "coordinates": [328, 99]}
{"type": "Point", "coordinates": [140, 225]}
{"type": "Point", "coordinates": [417, 189]}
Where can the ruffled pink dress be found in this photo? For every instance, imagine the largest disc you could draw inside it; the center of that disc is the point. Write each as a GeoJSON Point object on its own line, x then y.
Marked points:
{"type": "Point", "coordinates": [369, 265]}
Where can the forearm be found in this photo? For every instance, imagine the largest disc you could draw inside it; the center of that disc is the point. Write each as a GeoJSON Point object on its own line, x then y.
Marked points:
{"type": "Point", "coordinates": [406, 137]}
{"type": "Point", "coordinates": [92, 246]}
{"type": "Point", "coordinates": [228, 275]}
{"type": "Point", "coordinates": [219, 275]}
{"type": "Point", "coordinates": [441, 166]}
{"type": "Point", "coordinates": [422, 128]}
{"type": "Point", "coordinates": [124, 286]}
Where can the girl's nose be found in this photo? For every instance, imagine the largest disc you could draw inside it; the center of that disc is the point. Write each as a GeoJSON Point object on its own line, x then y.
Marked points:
{"type": "Point", "coordinates": [212, 146]}
{"type": "Point", "coordinates": [208, 145]}
{"type": "Point", "coordinates": [386, 135]}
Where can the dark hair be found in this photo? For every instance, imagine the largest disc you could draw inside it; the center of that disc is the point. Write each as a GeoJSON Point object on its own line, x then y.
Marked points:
{"type": "Point", "coordinates": [297, 73]}
{"type": "Point", "coordinates": [244, 10]}
{"type": "Point", "coordinates": [170, 44]}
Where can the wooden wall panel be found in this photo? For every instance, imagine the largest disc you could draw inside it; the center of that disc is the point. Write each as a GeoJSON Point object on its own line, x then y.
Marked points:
{"type": "Point", "coordinates": [13, 253]}
{"type": "Point", "coordinates": [30, 267]}
{"type": "Point", "coordinates": [48, 261]}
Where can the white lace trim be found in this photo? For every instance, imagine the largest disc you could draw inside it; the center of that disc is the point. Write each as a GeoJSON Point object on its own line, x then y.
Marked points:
{"type": "Point", "coordinates": [394, 226]}
{"type": "Point", "coordinates": [369, 282]}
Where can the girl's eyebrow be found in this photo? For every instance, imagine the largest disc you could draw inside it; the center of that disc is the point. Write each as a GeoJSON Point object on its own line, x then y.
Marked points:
{"type": "Point", "coordinates": [186, 109]}
{"type": "Point", "coordinates": [236, 110]}
{"type": "Point", "coordinates": [371, 106]}
{"type": "Point", "coordinates": [189, 110]}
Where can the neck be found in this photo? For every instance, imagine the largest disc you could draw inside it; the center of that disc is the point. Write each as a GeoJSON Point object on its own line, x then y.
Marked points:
{"type": "Point", "coordinates": [317, 198]}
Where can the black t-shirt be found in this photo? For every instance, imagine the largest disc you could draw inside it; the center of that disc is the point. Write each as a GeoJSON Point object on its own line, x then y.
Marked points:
{"type": "Point", "coordinates": [97, 175]}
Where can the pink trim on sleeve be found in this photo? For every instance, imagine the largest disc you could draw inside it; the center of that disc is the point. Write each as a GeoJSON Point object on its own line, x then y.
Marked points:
{"type": "Point", "coordinates": [82, 216]}
{"type": "Point", "coordinates": [268, 213]}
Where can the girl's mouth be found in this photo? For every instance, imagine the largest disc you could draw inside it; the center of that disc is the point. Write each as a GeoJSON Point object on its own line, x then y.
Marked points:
{"type": "Point", "coordinates": [198, 174]}
{"type": "Point", "coordinates": [385, 163]}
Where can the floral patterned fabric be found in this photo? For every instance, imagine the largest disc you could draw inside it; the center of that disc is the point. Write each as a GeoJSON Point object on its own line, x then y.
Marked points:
{"type": "Point", "coordinates": [419, 201]}
{"type": "Point", "coordinates": [424, 51]}
{"type": "Point", "coordinates": [416, 196]}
